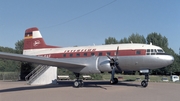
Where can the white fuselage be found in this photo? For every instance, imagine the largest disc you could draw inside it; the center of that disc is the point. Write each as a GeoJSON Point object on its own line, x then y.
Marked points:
{"type": "Point", "coordinates": [131, 57]}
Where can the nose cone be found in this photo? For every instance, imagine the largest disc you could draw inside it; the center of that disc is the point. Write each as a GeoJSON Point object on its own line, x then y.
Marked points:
{"type": "Point", "coordinates": [169, 59]}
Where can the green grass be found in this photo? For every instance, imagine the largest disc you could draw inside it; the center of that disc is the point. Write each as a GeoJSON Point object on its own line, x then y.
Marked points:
{"type": "Point", "coordinates": [153, 78]}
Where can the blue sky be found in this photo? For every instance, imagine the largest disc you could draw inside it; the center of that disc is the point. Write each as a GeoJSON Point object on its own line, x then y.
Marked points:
{"type": "Point", "coordinates": [119, 19]}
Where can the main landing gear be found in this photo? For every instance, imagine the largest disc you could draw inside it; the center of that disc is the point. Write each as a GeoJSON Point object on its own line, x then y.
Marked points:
{"type": "Point", "coordinates": [78, 83]}
{"type": "Point", "coordinates": [114, 81]}
{"type": "Point", "coordinates": [144, 83]}
{"type": "Point", "coordinates": [114, 65]}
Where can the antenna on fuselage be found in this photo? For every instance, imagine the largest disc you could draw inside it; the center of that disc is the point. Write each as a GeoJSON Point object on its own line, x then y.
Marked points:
{"type": "Point", "coordinates": [150, 43]}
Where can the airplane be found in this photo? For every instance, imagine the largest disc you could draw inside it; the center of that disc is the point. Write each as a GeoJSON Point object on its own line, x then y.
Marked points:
{"type": "Point", "coordinates": [92, 59]}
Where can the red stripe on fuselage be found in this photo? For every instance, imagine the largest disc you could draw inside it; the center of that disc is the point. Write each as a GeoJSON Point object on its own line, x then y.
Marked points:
{"type": "Point", "coordinates": [96, 53]}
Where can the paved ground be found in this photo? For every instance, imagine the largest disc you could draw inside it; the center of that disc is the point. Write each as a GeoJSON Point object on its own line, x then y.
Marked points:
{"type": "Point", "coordinates": [92, 91]}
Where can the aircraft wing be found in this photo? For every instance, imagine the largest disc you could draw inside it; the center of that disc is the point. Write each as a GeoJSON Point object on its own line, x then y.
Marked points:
{"type": "Point", "coordinates": [41, 60]}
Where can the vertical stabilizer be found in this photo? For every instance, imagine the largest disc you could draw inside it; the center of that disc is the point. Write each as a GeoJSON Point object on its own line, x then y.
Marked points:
{"type": "Point", "coordinates": [33, 40]}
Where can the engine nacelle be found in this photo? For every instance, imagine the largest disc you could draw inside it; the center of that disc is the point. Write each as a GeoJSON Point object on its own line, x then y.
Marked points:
{"type": "Point", "coordinates": [94, 65]}
{"type": "Point", "coordinates": [104, 65]}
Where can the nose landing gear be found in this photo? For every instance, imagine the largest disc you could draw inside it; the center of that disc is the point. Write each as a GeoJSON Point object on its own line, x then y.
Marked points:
{"type": "Point", "coordinates": [144, 83]}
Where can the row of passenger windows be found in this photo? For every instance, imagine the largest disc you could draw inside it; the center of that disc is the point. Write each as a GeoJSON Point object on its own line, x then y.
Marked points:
{"type": "Point", "coordinates": [85, 54]}
{"type": "Point", "coordinates": [137, 52]}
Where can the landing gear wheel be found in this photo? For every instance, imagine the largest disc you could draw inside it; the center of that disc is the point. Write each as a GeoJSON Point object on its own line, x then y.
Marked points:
{"type": "Point", "coordinates": [81, 83]}
{"type": "Point", "coordinates": [144, 83]}
{"type": "Point", "coordinates": [114, 81]}
{"type": "Point", "coordinates": [78, 83]}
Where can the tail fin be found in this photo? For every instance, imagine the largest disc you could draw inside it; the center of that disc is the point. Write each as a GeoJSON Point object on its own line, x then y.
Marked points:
{"type": "Point", "coordinates": [34, 40]}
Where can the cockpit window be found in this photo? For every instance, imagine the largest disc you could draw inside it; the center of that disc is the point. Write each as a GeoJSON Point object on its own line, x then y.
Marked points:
{"type": "Point", "coordinates": [160, 51]}
{"type": "Point", "coordinates": [148, 50]}
{"type": "Point", "coordinates": [151, 52]}
{"type": "Point", "coordinates": [155, 50]}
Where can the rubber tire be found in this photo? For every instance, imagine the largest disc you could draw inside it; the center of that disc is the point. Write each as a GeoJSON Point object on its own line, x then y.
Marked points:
{"type": "Point", "coordinates": [81, 83]}
{"type": "Point", "coordinates": [144, 83]}
{"type": "Point", "coordinates": [76, 84]}
{"type": "Point", "coordinates": [114, 81]}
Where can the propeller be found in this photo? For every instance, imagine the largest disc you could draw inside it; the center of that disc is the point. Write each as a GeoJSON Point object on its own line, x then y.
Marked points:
{"type": "Point", "coordinates": [114, 64]}
{"type": "Point", "coordinates": [113, 60]}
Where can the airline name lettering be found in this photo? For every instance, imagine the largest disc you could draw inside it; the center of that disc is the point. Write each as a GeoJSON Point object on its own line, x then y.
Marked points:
{"type": "Point", "coordinates": [80, 50]}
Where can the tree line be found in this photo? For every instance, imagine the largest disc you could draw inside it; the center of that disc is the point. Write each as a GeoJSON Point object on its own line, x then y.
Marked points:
{"type": "Point", "coordinates": [154, 38]}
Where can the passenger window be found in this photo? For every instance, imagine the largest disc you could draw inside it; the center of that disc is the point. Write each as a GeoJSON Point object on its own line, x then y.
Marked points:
{"type": "Point", "coordinates": [152, 50]}
{"type": "Point", "coordinates": [148, 50]}
{"type": "Point", "coordinates": [100, 54]}
{"type": "Point", "coordinates": [85, 54]}
{"type": "Point", "coordinates": [153, 54]}
{"type": "Point", "coordinates": [138, 52]}
{"type": "Point", "coordinates": [92, 54]}
{"type": "Point", "coordinates": [71, 55]}
{"type": "Point", "coordinates": [64, 55]}
{"type": "Point", "coordinates": [77, 54]}
{"type": "Point", "coordinates": [108, 53]}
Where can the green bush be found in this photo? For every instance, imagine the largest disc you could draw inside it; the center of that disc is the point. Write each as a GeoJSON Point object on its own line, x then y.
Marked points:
{"type": "Point", "coordinates": [9, 76]}
{"type": "Point", "coordinates": [96, 76]}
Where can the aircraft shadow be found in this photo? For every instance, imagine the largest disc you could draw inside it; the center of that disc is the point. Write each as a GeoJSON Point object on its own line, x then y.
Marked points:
{"type": "Point", "coordinates": [87, 84]}
{"type": "Point", "coordinates": [102, 84]}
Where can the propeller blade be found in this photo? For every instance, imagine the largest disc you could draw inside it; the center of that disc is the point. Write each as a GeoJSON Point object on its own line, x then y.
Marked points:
{"type": "Point", "coordinates": [117, 66]}
{"type": "Point", "coordinates": [108, 56]}
{"type": "Point", "coordinates": [117, 52]}
{"type": "Point", "coordinates": [111, 58]}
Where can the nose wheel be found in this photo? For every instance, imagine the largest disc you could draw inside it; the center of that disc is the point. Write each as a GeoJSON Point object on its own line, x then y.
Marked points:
{"type": "Point", "coordinates": [144, 83]}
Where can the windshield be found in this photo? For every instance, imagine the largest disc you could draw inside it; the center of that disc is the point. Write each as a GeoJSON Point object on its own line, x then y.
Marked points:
{"type": "Point", "coordinates": [154, 51]}
{"type": "Point", "coordinates": [160, 51]}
